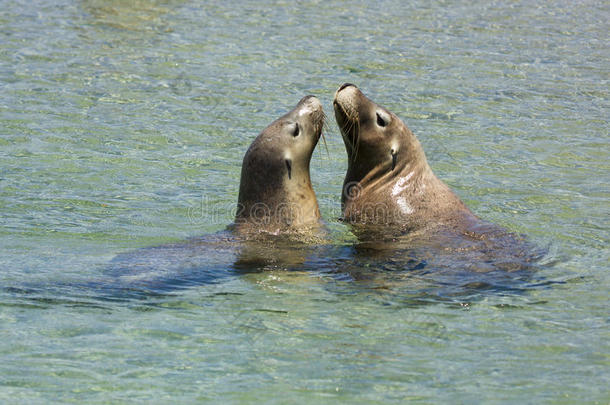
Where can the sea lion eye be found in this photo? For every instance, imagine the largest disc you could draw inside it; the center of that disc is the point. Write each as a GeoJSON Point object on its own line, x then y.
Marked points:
{"type": "Point", "coordinates": [380, 121]}
{"type": "Point", "coordinates": [296, 130]}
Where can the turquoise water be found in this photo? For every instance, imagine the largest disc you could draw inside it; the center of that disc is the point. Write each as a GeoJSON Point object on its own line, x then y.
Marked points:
{"type": "Point", "coordinates": [123, 125]}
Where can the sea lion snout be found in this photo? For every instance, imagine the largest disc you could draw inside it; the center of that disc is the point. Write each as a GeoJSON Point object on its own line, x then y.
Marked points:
{"type": "Point", "coordinates": [346, 102]}
{"type": "Point", "coordinates": [309, 104]}
{"type": "Point", "coordinates": [345, 90]}
{"type": "Point", "coordinates": [310, 116]}
{"type": "Point", "coordinates": [344, 85]}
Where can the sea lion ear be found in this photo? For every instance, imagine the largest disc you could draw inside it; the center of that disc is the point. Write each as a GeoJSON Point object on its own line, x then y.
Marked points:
{"type": "Point", "coordinates": [289, 167]}
{"type": "Point", "coordinates": [394, 155]}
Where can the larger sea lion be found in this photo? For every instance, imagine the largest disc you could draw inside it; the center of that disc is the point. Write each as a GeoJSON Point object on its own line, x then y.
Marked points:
{"type": "Point", "coordinates": [388, 180]}
{"type": "Point", "coordinates": [393, 198]}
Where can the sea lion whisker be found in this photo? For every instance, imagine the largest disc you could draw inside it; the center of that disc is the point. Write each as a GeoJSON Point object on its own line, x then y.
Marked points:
{"type": "Point", "coordinates": [347, 128]}
{"type": "Point", "coordinates": [324, 128]}
{"type": "Point", "coordinates": [325, 145]}
{"type": "Point", "coordinates": [320, 126]}
{"type": "Point", "coordinates": [346, 131]}
{"type": "Point", "coordinates": [356, 138]}
{"type": "Point", "coordinates": [352, 134]}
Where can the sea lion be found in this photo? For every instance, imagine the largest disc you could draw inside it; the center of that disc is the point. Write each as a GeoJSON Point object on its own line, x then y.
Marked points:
{"type": "Point", "coordinates": [394, 200]}
{"type": "Point", "coordinates": [275, 192]}
{"type": "Point", "coordinates": [388, 180]}
{"type": "Point", "coordinates": [276, 224]}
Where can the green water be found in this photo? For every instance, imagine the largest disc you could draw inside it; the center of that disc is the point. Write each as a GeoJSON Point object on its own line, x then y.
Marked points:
{"type": "Point", "coordinates": [123, 125]}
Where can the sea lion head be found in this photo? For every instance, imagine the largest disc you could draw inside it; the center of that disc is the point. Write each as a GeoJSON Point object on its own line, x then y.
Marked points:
{"type": "Point", "coordinates": [375, 138]}
{"type": "Point", "coordinates": [275, 189]}
{"type": "Point", "coordinates": [377, 142]}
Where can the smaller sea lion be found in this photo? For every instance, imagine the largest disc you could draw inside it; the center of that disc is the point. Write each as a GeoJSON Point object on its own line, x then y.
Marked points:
{"type": "Point", "coordinates": [277, 216]}
{"type": "Point", "coordinates": [275, 192]}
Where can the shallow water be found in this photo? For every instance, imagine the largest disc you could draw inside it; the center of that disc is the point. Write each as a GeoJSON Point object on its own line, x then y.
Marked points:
{"type": "Point", "coordinates": [123, 125]}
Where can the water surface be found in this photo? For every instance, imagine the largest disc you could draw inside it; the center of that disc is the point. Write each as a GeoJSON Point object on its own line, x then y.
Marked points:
{"type": "Point", "coordinates": [123, 125]}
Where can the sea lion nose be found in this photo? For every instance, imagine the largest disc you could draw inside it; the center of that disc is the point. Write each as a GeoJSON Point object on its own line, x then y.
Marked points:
{"type": "Point", "coordinates": [310, 99]}
{"type": "Point", "coordinates": [312, 102]}
{"type": "Point", "coordinates": [344, 85]}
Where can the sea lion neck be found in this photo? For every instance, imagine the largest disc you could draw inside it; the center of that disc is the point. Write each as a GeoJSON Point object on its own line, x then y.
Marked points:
{"type": "Point", "coordinates": [407, 158]}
